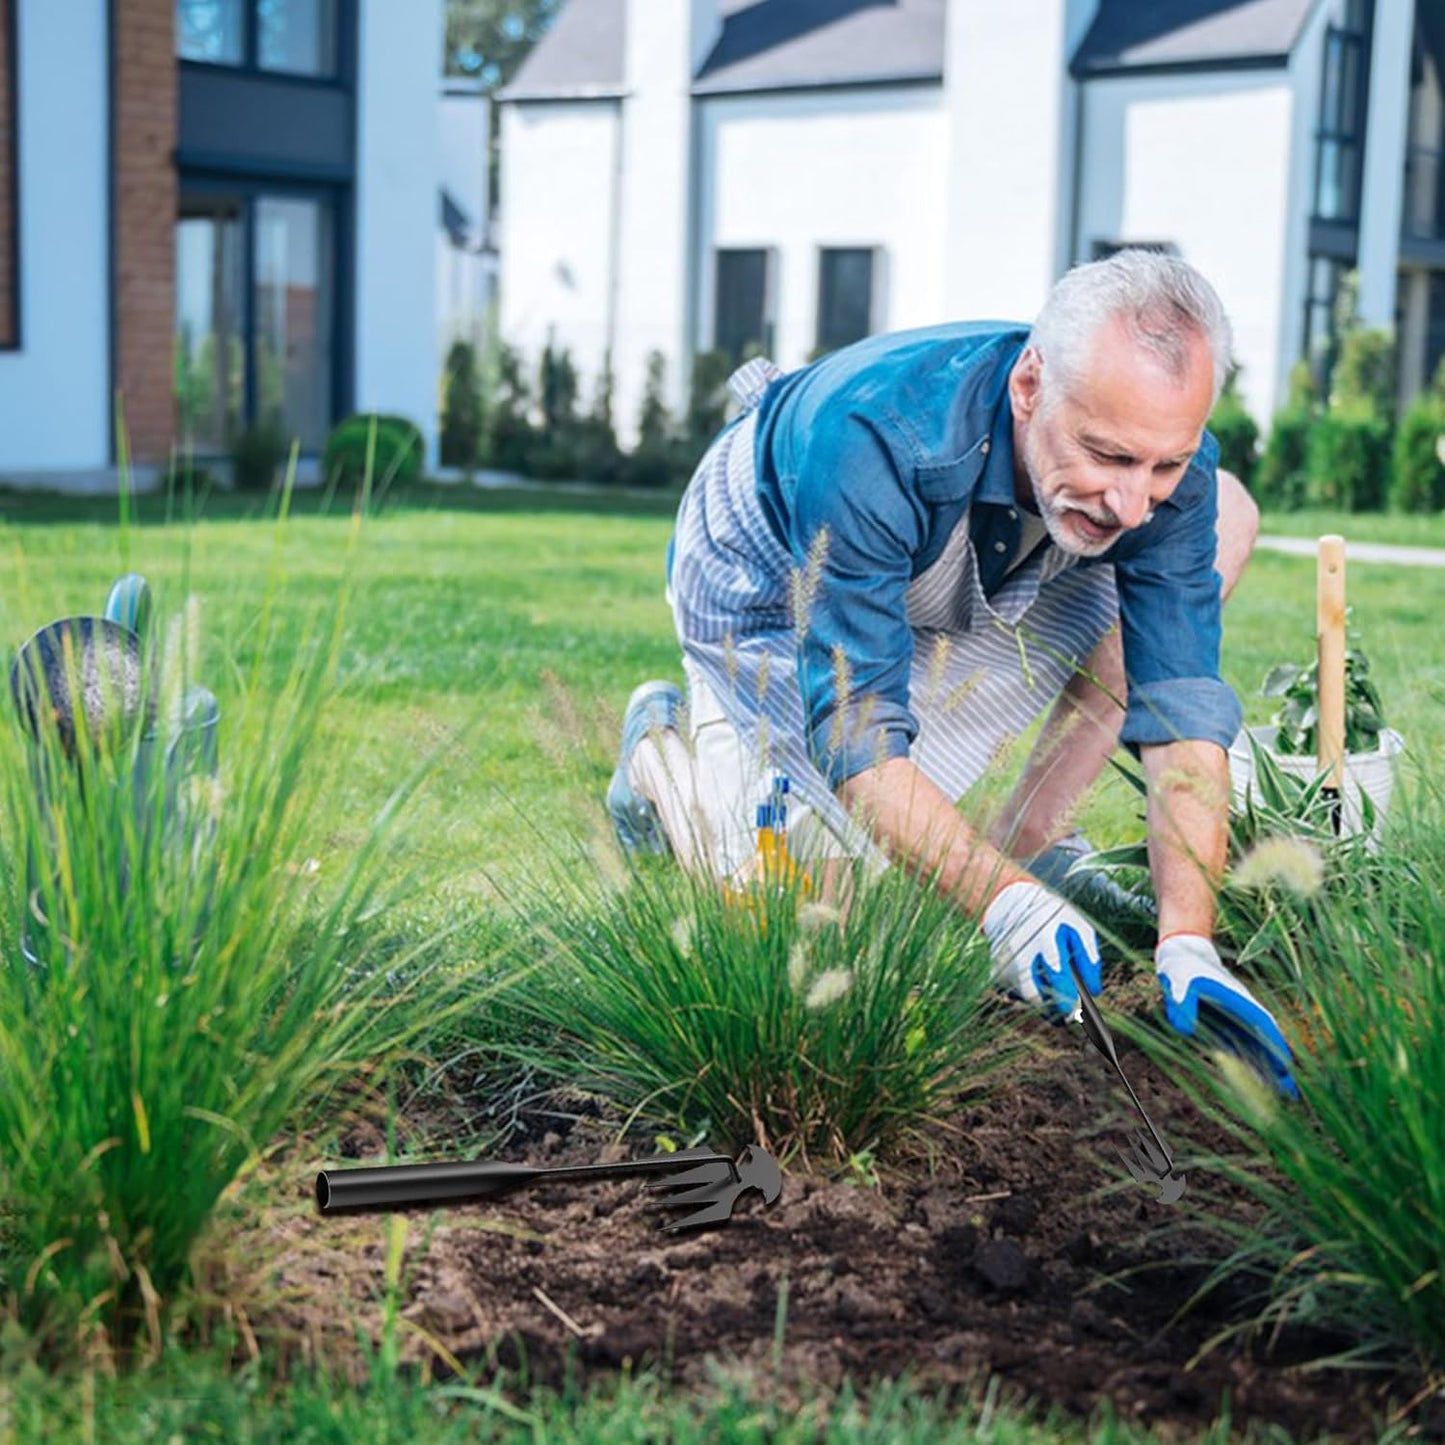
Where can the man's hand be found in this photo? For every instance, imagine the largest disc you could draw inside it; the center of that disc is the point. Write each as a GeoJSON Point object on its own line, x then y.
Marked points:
{"type": "Point", "coordinates": [1201, 996]}
{"type": "Point", "coordinates": [1033, 933]}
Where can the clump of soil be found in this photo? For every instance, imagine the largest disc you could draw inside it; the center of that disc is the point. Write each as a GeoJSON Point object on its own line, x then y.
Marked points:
{"type": "Point", "coordinates": [1015, 1246]}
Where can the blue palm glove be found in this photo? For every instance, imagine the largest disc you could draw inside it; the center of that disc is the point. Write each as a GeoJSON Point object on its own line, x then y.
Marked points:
{"type": "Point", "coordinates": [1202, 997]}
{"type": "Point", "coordinates": [1033, 933]}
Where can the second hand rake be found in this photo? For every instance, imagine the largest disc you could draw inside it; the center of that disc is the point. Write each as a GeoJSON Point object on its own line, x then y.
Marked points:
{"type": "Point", "coordinates": [1150, 1161]}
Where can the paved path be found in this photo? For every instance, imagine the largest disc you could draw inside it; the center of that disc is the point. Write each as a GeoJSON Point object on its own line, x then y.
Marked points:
{"type": "Point", "coordinates": [1358, 551]}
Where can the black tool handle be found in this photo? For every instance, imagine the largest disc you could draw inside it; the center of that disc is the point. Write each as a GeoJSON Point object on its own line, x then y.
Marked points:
{"type": "Point", "coordinates": [394, 1186]}
{"type": "Point", "coordinates": [1098, 1033]}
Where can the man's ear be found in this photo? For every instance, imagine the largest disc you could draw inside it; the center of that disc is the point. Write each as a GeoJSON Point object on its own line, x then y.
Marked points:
{"type": "Point", "coordinates": [1024, 383]}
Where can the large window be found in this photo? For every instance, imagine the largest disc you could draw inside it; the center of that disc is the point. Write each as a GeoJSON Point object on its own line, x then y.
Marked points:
{"type": "Point", "coordinates": [846, 296]}
{"type": "Point", "coordinates": [1339, 139]}
{"type": "Point", "coordinates": [9, 187]}
{"type": "Point", "coordinates": [743, 313]}
{"type": "Point", "coordinates": [254, 317]}
{"type": "Point", "coordinates": [295, 37]}
{"type": "Point", "coordinates": [1321, 338]}
{"type": "Point", "coordinates": [1425, 157]}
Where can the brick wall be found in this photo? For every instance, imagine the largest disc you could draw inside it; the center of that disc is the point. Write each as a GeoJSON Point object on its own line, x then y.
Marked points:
{"type": "Point", "coordinates": [145, 221]}
{"type": "Point", "coordinates": [7, 185]}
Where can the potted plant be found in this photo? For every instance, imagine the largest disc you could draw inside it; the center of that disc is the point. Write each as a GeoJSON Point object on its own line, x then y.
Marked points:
{"type": "Point", "coordinates": [1291, 741]}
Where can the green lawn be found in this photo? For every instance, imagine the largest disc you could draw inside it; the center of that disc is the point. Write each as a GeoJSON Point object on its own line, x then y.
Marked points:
{"type": "Point", "coordinates": [461, 608]}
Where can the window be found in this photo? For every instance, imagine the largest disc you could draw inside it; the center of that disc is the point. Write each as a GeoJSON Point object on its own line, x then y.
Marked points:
{"type": "Point", "coordinates": [1435, 326]}
{"type": "Point", "coordinates": [9, 187]}
{"type": "Point", "coordinates": [1339, 138]}
{"type": "Point", "coordinates": [743, 315]}
{"type": "Point", "coordinates": [845, 296]}
{"type": "Point", "coordinates": [294, 37]}
{"type": "Point", "coordinates": [255, 285]}
{"type": "Point", "coordinates": [1425, 156]}
{"type": "Point", "coordinates": [210, 324]}
{"type": "Point", "coordinates": [1321, 338]}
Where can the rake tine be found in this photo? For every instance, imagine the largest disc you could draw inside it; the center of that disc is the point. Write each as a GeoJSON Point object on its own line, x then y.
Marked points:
{"type": "Point", "coordinates": [1148, 1150]}
{"type": "Point", "coordinates": [710, 1175]}
{"type": "Point", "coordinates": [1136, 1167]}
{"type": "Point", "coordinates": [714, 1213]}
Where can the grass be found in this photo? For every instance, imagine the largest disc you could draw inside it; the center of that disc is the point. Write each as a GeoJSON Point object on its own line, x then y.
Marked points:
{"type": "Point", "coordinates": [464, 605]}
{"type": "Point", "coordinates": [1416, 529]}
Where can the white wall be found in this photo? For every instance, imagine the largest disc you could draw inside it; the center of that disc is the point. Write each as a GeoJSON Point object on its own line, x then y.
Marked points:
{"type": "Point", "coordinates": [1205, 162]}
{"type": "Point", "coordinates": [55, 391]}
{"type": "Point", "coordinates": [558, 223]}
{"type": "Point", "coordinates": [398, 167]}
{"type": "Point", "coordinates": [1007, 174]}
{"type": "Point", "coordinates": [801, 172]}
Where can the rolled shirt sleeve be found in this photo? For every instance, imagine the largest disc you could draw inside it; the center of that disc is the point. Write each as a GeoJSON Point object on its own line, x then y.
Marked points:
{"type": "Point", "coordinates": [853, 530]}
{"type": "Point", "coordinates": [1170, 617]}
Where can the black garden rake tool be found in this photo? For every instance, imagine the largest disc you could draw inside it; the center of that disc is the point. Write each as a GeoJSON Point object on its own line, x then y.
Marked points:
{"type": "Point", "coordinates": [710, 1182]}
{"type": "Point", "coordinates": [1149, 1160]}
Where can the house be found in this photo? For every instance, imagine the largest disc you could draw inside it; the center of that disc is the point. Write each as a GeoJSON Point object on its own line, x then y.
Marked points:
{"type": "Point", "coordinates": [682, 175]}
{"type": "Point", "coordinates": [215, 210]}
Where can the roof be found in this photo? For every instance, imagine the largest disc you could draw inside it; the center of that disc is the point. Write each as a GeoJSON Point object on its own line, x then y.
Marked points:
{"type": "Point", "coordinates": [581, 55]}
{"type": "Point", "coordinates": [777, 44]}
{"type": "Point", "coordinates": [1128, 35]}
{"type": "Point", "coordinates": [764, 45]}
{"type": "Point", "coordinates": [788, 44]}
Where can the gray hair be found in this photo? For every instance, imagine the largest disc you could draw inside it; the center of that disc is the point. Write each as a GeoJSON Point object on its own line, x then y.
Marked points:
{"type": "Point", "coordinates": [1162, 298]}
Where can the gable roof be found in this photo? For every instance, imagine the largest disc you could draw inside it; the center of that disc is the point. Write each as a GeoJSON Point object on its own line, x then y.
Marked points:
{"type": "Point", "coordinates": [764, 45]}
{"type": "Point", "coordinates": [580, 55]}
{"type": "Point", "coordinates": [1127, 35]}
{"type": "Point", "coordinates": [790, 44]}
{"type": "Point", "coordinates": [776, 44]}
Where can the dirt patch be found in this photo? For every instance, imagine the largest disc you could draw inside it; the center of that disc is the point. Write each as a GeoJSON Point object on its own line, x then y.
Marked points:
{"type": "Point", "coordinates": [1015, 1246]}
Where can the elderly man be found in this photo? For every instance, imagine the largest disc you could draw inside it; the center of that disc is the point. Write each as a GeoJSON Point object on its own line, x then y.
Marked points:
{"type": "Point", "coordinates": [897, 557]}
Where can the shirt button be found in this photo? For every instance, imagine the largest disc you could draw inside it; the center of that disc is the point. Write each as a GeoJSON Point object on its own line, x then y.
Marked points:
{"type": "Point", "coordinates": [983, 447]}
{"type": "Point", "coordinates": [1000, 546]}
{"type": "Point", "coordinates": [1013, 516]}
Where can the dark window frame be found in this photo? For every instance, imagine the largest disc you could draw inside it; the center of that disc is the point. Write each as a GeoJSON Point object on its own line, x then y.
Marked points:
{"type": "Point", "coordinates": [12, 102]}
{"type": "Point", "coordinates": [1351, 38]}
{"type": "Point", "coordinates": [249, 190]}
{"type": "Point", "coordinates": [768, 319]}
{"type": "Point", "coordinates": [342, 51]}
{"type": "Point", "coordinates": [824, 343]}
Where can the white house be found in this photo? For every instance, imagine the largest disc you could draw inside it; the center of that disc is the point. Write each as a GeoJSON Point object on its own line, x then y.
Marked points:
{"type": "Point", "coordinates": [219, 213]}
{"type": "Point", "coordinates": [680, 175]}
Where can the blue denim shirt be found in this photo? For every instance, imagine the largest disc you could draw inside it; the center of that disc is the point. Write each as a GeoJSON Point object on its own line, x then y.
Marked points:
{"type": "Point", "coordinates": [887, 444]}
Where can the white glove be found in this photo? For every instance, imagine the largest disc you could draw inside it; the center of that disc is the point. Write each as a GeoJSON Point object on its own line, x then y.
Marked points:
{"type": "Point", "coordinates": [1033, 933]}
{"type": "Point", "coordinates": [1202, 996]}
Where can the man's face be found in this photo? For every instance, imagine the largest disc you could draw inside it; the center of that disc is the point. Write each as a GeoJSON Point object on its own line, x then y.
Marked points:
{"type": "Point", "coordinates": [1098, 458]}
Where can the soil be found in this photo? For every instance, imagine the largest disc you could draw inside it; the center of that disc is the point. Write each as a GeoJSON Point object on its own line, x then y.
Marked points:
{"type": "Point", "coordinates": [1020, 1249]}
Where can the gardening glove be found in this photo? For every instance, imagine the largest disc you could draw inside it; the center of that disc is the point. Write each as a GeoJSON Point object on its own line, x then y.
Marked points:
{"type": "Point", "coordinates": [1032, 933]}
{"type": "Point", "coordinates": [1202, 997]}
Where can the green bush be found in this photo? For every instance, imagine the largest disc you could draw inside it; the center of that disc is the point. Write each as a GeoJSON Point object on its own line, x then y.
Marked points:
{"type": "Point", "coordinates": [1279, 480]}
{"type": "Point", "coordinates": [707, 397]}
{"type": "Point", "coordinates": [256, 455]}
{"type": "Point", "coordinates": [396, 460]}
{"type": "Point", "coordinates": [1364, 375]}
{"type": "Point", "coordinates": [461, 430]}
{"type": "Point", "coordinates": [510, 434]}
{"type": "Point", "coordinates": [1347, 459]}
{"type": "Point", "coordinates": [1418, 479]}
{"type": "Point", "coordinates": [763, 1013]}
{"type": "Point", "coordinates": [1236, 431]}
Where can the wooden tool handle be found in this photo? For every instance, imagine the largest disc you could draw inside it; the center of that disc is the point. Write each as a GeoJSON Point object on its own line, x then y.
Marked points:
{"type": "Point", "coordinates": [1330, 621]}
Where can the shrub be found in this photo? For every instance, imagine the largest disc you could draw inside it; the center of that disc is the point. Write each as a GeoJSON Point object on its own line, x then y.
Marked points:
{"type": "Point", "coordinates": [557, 389]}
{"type": "Point", "coordinates": [1236, 431]}
{"type": "Point", "coordinates": [256, 454]}
{"type": "Point", "coordinates": [396, 460]}
{"type": "Point", "coordinates": [1279, 480]}
{"type": "Point", "coordinates": [461, 430]}
{"type": "Point", "coordinates": [510, 434]}
{"type": "Point", "coordinates": [765, 1014]}
{"type": "Point", "coordinates": [1347, 458]}
{"type": "Point", "coordinates": [1418, 475]}
{"type": "Point", "coordinates": [191, 988]}
{"type": "Point", "coordinates": [654, 461]}
{"type": "Point", "coordinates": [1365, 371]}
